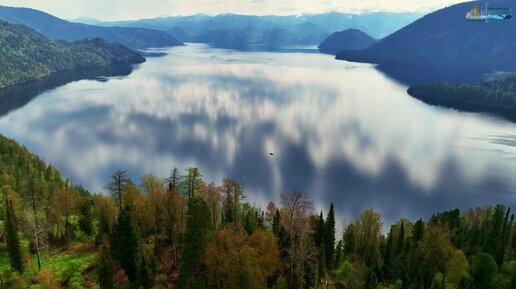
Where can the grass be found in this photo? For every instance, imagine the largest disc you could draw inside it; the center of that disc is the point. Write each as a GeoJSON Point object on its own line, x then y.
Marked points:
{"type": "Point", "coordinates": [64, 263]}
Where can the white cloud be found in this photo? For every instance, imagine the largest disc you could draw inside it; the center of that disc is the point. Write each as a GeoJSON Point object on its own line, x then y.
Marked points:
{"type": "Point", "coordinates": [137, 9]}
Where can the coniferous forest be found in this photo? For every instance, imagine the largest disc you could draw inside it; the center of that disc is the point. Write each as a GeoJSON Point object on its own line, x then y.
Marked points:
{"type": "Point", "coordinates": [27, 55]}
{"type": "Point", "coordinates": [182, 232]}
{"type": "Point", "coordinates": [497, 96]}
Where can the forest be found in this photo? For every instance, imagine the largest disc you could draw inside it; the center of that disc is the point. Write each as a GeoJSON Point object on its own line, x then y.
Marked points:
{"type": "Point", "coordinates": [182, 232]}
{"type": "Point", "coordinates": [497, 95]}
{"type": "Point", "coordinates": [27, 55]}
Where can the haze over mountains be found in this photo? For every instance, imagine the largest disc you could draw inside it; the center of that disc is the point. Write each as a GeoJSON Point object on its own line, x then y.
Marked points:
{"type": "Point", "coordinates": [351, 39]}
{"type": "Point", "coordinates": [233, 29]}
{"type": "Point", "coordinates": [445, 39]}
{"type": "Point", "coordinates": [58, 29]}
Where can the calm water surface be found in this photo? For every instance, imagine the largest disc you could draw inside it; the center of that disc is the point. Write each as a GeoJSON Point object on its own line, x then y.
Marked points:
{"type": "Point", "coordinates": [342, 132]}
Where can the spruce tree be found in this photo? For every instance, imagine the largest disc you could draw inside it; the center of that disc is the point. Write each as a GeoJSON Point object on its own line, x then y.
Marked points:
{"type": "Point", "coordinates": [329, 237]}
{"type": "Point", "coordinates": [193, 273]}
{"type": "Point", "coordinates": [12, 239]}
{"type": "Point", "coordinates": [105, 270]}
{"type": "Point", "coordinates": [400, 244]}
{"type": "Point", "coordinates": [319, 232]}
{"type": "Point", "coordinates": [126, 242]}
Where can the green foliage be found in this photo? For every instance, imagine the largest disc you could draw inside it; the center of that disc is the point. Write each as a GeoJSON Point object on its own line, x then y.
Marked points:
{"type": "Point", "coordinates": [105, 270]}
{"type": "Point", "coordinates": [198, 231]}
{"type": "Point", "coordinates": [396, 285]}
{"type": "Point", "coordinates": [329, 237]}
{"type": "Point", "coordinates": [344, 272]}
{"type": "Point", "coordinates": [452, 250]}
{"type": "Point", "coordinates": [27, 55]}
{"type": "Point", "coordinates": [126, 241]}
{"type": "Point", "coordinates": [483, 270]}
{"type": "Point", "coordinates": [490, 95]}
{"type": "Point", "coordinates": [281, 283]}
{"type": "Point", "coordinates": [76, 281]}
{"type": "Point", "coordinates": [12, 239]}
{"type": "Point", "coordinates": [87, 219]}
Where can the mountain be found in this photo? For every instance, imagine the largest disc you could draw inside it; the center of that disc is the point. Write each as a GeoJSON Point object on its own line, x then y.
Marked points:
{"type": "Point", "coordinates": [59, 29]}
{"type": "Point", "coordinates": [351, 39]}
{"type": "Point", "coordinates": [297, 29]}
{"type": "Point", "coordinates": [27, 55]}
{"type": "Point", "coordinates": [445, 39]}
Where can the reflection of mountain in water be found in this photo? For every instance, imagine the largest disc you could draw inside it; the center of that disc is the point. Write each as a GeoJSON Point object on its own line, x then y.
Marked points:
{"type": "Point", "coordinates": [411, 75]}
{"type": "Point", "coordinates": [16, 96]}
{"type": "Point", "coordinates": [333, 134]}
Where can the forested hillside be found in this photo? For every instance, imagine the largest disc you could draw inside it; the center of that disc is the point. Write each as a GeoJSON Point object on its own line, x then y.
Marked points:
{"type": "Point", "coordinates": [27, 55]}
{"type": "Point", "coordinates": [182, 232]}
{"type": "Point", "coordinates": [445, 39]}
{"type": "Point", "coordinates": [352, 39]}
{"type": "Point", "coordinates": [59, 29]}
{"type": "Point", "coordinates": [491, 96]}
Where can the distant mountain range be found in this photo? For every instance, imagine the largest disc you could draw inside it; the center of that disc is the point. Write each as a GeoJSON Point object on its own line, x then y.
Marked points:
{"type": "Point", "coordinates": [241, 30]}
{"type": "Point", "coordinates": [58, 29]}
{"type": "Point", "coordinates": [351, 39]}
{"type": "Point", "coordinates": [446, 39]}
{"type": "Point", "coordinates": [27, 55]}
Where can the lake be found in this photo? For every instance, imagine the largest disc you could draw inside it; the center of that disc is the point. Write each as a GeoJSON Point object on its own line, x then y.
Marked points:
{"type": "Point", "coordinates": [342, 132]}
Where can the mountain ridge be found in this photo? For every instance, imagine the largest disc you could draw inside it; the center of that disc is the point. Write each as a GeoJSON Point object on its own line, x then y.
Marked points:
{"type": "Point", "coordinates": [351, 39]}
{"type": "Point", "coordinates": [27, 55]}
{"type": "Point", "coordinates": [445, 39]}
{"type": "Point", "coordinates": [55, 28]}
{"type": "Point", "coordinates": [378, 24]}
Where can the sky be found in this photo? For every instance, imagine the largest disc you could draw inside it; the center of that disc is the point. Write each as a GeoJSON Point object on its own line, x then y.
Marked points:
{"type": "Point", "coordinates": [138, 9]}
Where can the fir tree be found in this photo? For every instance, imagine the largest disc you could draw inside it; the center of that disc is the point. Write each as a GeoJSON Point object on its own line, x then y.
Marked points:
{"type": "Point", "coordinates": [126, 242]}
{"type": "Point", "coordinates": [198, 228]}
{"type": "Point", "coordinates": [319, 232]}
{"type": "Point", "coordinates": [329, 237]}
{"type": "Point", "coordinates": [12, 239]}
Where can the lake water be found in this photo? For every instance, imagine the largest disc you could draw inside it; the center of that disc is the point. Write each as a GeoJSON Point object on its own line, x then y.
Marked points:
{"type": "Point", "coordinates": [342, 132]}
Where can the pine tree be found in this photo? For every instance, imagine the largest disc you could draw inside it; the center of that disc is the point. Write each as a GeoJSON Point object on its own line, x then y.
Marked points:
{"type": "Point", "coordinates": [418, 231]}
{"type": "Point", "coordinates": [319, 232]}
{"type": "Point", "coordinates": [400, 244]}
{"type": "Point", "coordinates": [12, 239]}
{"type": "Point", "coordinates": [126, 242]}
{"type": "Point", "coordinates": [329, 237]}
{"type": "Point", "coordinates": [105, 270]}
{"type": "Point", "coordinates": [119, 183]}
{"type": "Point", "coordinates": [198, 229]}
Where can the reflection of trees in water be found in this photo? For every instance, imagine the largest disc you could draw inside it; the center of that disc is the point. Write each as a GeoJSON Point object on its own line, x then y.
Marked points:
{"type": "Point", "coordinates": [411, 75]}
{"type": "Point", "coordinates": [16, 96]}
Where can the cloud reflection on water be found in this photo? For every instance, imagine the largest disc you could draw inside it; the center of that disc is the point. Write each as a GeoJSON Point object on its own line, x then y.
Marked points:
{"type": "Point", "coordinates": [342, 132]}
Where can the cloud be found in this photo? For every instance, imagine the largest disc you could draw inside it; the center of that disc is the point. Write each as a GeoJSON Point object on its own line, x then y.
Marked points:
{"type": "Point", "coordinates": [137, 9]}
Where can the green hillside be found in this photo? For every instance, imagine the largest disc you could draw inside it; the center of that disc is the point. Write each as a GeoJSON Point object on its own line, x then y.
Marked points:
{"type": "Point", "coordinates": [27, 55]}
{"type": "Point", "coordinates": [497, 96]}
